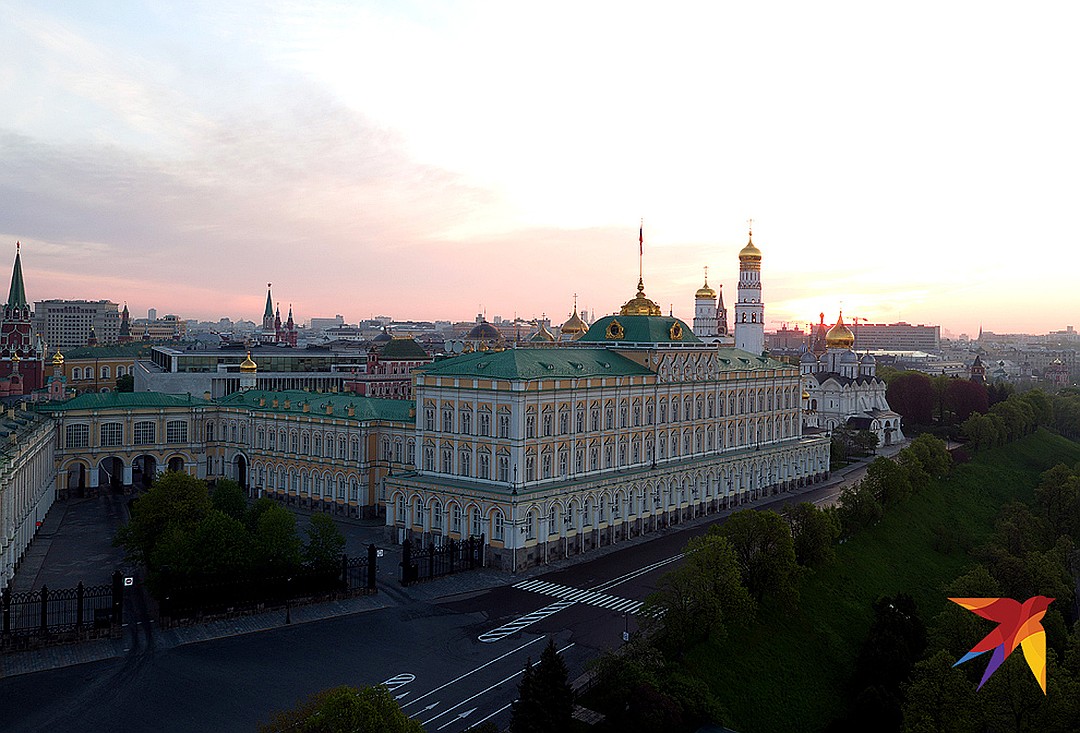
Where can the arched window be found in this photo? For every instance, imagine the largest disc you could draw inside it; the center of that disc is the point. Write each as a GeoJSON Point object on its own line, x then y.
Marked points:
{"type": "Point", "coordinates": [104, 372]}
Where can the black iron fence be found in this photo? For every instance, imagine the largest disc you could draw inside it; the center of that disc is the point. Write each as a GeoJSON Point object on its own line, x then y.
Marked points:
{"type": "Point", "coordinates": [68, 614]}
{"type": "Point", "coordinates": [418, 564]}
{"type": "Point", "coordinates": [200, 596]}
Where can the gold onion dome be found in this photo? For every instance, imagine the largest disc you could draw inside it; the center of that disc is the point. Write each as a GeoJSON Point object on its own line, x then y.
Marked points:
{"type": "Point", "coordinates": [574, 324]}
{"type": "Point", "coordinates": [705, 291]}
{"type": "Point", "coordinates": [543, 335]}
{"type": "Point", "coordinates": [247, 365]}
{"type": "Point", "coordinates": [640, 305]}
{"type": "Point", "coordinates": [15, 359]}
{"type": "Point", "coordinates": [839, 336]}
{"type": "Point", "coordinates": [750, 253]}
{"type": "Point", "coordinates": [58, 359]}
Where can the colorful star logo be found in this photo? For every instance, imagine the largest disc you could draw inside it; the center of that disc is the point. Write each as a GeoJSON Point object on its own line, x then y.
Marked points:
{"type": "Point", "coordinates": [1018, 625]}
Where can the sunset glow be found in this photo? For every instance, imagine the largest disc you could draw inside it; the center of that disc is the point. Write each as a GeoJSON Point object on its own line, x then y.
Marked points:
{"type": "Point", "coordinates": [911, 162]}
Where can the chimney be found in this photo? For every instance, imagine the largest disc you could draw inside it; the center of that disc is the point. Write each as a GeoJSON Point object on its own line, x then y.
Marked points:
{"type": "Point", "coordinates": [275, 403]}
{"type": "Point", "coordinates": [262, 402]}
{"type": "Point", "coordinates": [307, 407]}
{"type": "Point", "coordinates": [351, 412]}
{"type": "Point", "coordinates": [206, 395]}
{"type": "Point", "coordinates": [329, 408]}
{"type": "Point", "coordinates": [288, 404]}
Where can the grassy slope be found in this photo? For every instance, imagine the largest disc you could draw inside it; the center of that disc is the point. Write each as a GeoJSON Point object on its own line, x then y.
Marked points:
{"type": "Point", "coordinates": [789, 672]}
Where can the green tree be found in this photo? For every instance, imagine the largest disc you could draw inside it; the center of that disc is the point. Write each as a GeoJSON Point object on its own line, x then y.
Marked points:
{"type": "Point", "coordinates": [219, 544]}
{"type": "Point", "coordinates": [345, 710]}
{"type": "Point", "coordinates": [931, 453]}
{"type": "Point", "coordinates": [814, 532]}
{"type": "Point", "coordinates": [867, 440]}
{"type": "Point", "coordinates": [176, 503]}
{"type": "Point", "coordinates": [939, 698]}
{"type": "Point", "coordinates": [1058, 494]}
{"type": "Point", "coordinates": [125, 383]}
{"type": "Point", "coordinates": [228, 497]}
{"type": "Point", "coordinates": [545, 700]}
{"type": "Point", "coordinates": [325, 543]}
{"type": "Point", "coordinates": [765, 553]}
{"type": "Point", "coordinates": [255, 510]}
{"type": "Point", "coordinates": [276, 543]}
{"type": "Point", "coordinates": [980, 431]}
{"type": "Point", "coordinates": [857, 507]}
{"type": "Point", "coordinates": [912, 395]}
{"type": "Point", "coordinates": [702, 596]}
{"type": "Point", "coordinates": [888, 480]}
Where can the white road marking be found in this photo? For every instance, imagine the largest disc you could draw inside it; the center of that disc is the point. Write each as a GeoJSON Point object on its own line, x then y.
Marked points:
{"type": "Point", "coordinates": [477, 669]}
{"type": "Point", "coordinates": [397, 681]}
{"type": "Point", "coordinates": [489, 689]}
{"type": "Point", "coordinates": [570, 596]}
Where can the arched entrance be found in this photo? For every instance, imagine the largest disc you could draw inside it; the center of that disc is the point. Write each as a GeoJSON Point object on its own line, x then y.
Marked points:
{"type": "Point", "coordinates": [76, 480]}
{"type": "Point", "coordinates": [111, 475]}
{"type": "Point", "coordinates": [240, 464]}
{"type": "Point", "coordinates": [176, 463]}
{"type": "Point", "coordinates": [143, 470]}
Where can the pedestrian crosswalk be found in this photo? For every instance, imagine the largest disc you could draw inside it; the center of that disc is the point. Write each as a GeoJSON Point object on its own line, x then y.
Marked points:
{"type": "Point", "coordinates": [576, 595]}
{"type": "Point", "coordinates": [518, 624]}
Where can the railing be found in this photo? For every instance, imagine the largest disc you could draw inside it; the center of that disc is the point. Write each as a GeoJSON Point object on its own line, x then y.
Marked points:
{"type": "Point", "coordinates": [47, 616]}
{"type": "Point", "coordinates": [435, 562]}
{"type": "Point", "coordinates": [198, 597]}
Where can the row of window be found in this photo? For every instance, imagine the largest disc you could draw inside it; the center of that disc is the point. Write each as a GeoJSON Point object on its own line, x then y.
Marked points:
{"type": "Point", "coordinates": [629, 415]}
{"type": "Point", "coordinates": [78, 373]}
{"type": "Point", "coordinates": [303, 483]}
{"type": "Point", "coordinates": [111, 434]}
{"type": "Point", "coordinates": [627, 451]}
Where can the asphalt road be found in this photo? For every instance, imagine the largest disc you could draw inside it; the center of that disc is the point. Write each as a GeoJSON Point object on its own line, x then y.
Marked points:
{"type": "Point", "coordinates": [452, 663]}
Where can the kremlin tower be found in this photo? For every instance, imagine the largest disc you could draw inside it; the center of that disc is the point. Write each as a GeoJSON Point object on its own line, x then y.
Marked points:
{"type": "Point", "coordinates": [749, 308]}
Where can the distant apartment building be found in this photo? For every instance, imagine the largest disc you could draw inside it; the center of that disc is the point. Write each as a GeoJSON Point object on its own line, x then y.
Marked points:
{"type": "Point", "coordinates": [66, 324]}
{"type": "Point", "coordinates": [897, 337]}
{"type": "Point", "coordinates": [167, 328]}
{"type": "Point", "coordinates": [786, 339]}
{"type": "Point", "coordinates": [321, 324]}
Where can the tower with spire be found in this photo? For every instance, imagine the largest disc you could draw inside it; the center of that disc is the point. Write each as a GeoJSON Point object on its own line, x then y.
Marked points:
{"type": "Point", "coordinates": [749, 307]}
{"type": "Point", "coordinates": [16, 328]}
{"type": "Point", "coordinates": [268, 314]}
{"type": "Point", "coordinates": [125, 326]}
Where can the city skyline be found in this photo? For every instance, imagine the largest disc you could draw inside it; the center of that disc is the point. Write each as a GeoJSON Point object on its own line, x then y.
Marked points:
{"type": "Point", "coordinates": [429, 162]}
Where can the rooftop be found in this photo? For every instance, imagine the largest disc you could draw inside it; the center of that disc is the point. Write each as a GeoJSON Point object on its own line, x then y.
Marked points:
{"type": "Point", "coordinates": [114, 400]}
{"type": "Point", "coordinates": [552, 363]}
{"type": "Point", "coordinates": [364, 408]}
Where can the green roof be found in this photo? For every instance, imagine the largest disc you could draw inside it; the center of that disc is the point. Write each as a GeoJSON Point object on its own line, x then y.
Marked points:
{"type": "Point", "coordinates": [117, 351]}
{"type": "Point", "coordinates": [641, 330]}
{"type": "Point", "coordinates": [17, 293]}
{"type": "Point", "coordinates": [553, 363]}
{"type": "Point", "coordinates": [729, 358]}
{"type": "Point", "coordinates": [121, 400]}
{"type": "Point", "coordinates": [402, 348]}
{"type": "Point", "coordinates": [364, 408]}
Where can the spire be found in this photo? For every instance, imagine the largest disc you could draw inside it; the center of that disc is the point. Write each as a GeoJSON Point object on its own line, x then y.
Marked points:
{"type": "Point", "coordinates": [269, 312]}
{"type": "Point", "coordinates": [17, 293]}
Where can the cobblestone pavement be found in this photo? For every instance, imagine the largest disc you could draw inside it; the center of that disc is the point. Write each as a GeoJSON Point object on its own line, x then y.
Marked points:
{"type": "Point", "coordinates": [75, 544]}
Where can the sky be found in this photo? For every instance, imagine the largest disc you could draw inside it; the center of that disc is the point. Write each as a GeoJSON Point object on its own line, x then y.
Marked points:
{"type": "Point", "coordinates": [913, 161]}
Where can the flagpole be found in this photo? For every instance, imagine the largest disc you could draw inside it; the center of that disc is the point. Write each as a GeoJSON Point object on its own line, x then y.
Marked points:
{"type": "Point", "coordinates": [641, 250]}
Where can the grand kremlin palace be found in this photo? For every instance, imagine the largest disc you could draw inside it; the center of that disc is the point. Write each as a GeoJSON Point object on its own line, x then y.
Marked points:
{"type": "Point", "coordinates": [544, 451]}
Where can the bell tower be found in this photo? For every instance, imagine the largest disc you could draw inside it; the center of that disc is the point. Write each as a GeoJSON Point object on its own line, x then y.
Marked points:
{"type": "Point", "coordinates": [749, 308]}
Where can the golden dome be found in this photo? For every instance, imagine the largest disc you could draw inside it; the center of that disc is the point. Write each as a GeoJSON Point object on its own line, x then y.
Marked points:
{"type": "Point", "coordinates": [58, 359]}
{"type": "Point", "coordinates": [15, 359]}
{"type": "Point", "coordinates": [248, 366]}
{"type": "Point", "coordinates": [574, 325]}
{"type": "Point", "coordinates": [839, 336]}
{"type": "Point", "coordinates": [750, 253]}
{"type": "Point", "coordinates": [640, 305]}
{"type": "Point", "coordinates": [705, 291]}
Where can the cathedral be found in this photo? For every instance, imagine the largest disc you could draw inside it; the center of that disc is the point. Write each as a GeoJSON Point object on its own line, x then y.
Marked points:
{"type": "Point", "coordinates": [840, 389]}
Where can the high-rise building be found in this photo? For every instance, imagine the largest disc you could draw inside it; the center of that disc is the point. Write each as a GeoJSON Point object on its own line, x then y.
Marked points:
{"type": "Point", "coordinates": [66, 324]}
